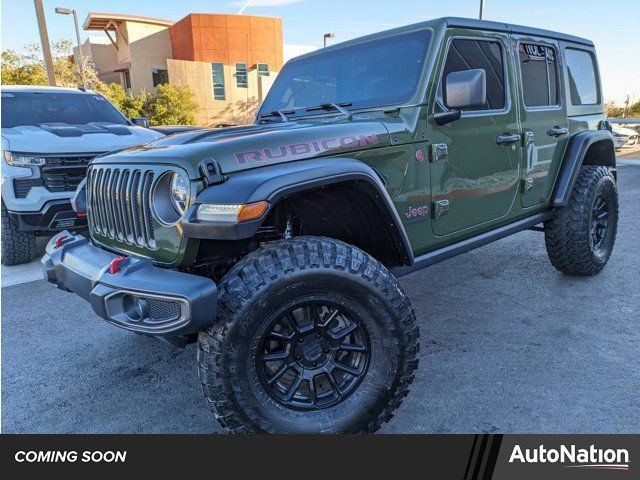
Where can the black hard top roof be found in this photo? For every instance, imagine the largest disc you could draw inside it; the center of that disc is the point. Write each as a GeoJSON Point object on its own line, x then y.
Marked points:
{"type": "Point", "coordinates": [459, 22]}
{"type": "Point", "coordinates": [510, 28]}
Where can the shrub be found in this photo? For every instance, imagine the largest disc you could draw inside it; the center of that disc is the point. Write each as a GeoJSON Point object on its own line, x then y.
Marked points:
{"type": "Point", "coordinates": [171, 105]}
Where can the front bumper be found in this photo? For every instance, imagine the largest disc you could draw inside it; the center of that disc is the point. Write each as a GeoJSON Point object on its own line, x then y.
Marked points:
{"type": "Point", "coordinates": [54, 216]}
{"type": "Point", "coordinates": [139, 297]}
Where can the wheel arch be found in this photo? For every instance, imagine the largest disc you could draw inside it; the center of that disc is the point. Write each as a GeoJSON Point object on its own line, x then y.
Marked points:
{"type": "Point", "coordinates": [341, 198]}
{"type": "Point", "coordinates": [594, 147]}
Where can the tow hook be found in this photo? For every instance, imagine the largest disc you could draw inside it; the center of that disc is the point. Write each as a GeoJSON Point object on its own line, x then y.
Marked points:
{"type": "Point", "coordinates": [59, 241]}
{"type": "Point", "coordinates": [114, 265]}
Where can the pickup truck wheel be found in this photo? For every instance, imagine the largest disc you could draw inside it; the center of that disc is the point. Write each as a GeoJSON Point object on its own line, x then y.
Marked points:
{"type": "Point", "coordinates": [580, 238]}
{"type": "Point", "coordinates": [17, 247]}
{"type": "Point", "coordinates": [313, 336]}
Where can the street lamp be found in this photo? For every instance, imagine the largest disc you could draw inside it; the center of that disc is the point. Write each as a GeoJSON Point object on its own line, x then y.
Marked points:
{"type": "Point", "coordinates": [327, 35]}
{"type": "Point", "coordinates": [67, 11]}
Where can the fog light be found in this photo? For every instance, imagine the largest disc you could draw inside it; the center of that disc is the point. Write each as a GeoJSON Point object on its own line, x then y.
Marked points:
{"type": "Point", "coordinates": [135, 308]}
{"type": "Point", "coordinates": [231, 213]}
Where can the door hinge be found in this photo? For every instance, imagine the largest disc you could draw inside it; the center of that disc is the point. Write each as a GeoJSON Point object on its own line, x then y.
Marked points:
{"type": "Point", "coordinates": [440, 208]}
{"type": "Point", "coordinates": [527, 184]}
{"type": "Point", "coordinates": [528, 137]}
{"type": "Point", "coordinates": [439, 151]}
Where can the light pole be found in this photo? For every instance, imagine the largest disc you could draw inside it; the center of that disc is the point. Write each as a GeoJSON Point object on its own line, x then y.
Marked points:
{"type": "Point", "coordinates": [327, 35]}
{"type": "Point", "coordinates": [481, 9]}
{"type": "Point", "coordinates": [44, 40]}
{"type": "Point", "coordinates": [67, 11]}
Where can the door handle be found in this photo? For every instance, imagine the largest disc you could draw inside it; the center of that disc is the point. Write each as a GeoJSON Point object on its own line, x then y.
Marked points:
{"type": "Point", "coordinates": [508, 138]}
{"type": "Point", "coordinates": [556, 131]}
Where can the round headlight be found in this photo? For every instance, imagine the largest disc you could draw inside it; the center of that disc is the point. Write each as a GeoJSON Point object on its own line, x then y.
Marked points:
{"type": "Point", "coordinates": [179, 193]}
{"type": "Point", "coordinates": [170, 197]}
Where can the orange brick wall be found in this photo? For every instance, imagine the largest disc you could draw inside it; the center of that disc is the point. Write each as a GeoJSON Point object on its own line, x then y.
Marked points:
{"type": "Point", "coordinates": [228, 39]}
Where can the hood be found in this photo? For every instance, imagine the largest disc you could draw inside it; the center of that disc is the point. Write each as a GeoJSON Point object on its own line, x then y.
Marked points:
{"type": "Point", "coordinates": [251, 146]}
{"type": "Point", "coordinates": [624, 130]}
{"type": "Point", "coordinates": [66, 138]}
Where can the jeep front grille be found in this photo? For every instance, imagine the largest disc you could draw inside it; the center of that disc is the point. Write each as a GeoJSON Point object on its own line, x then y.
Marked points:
{"type": "Point", "coordinates": [119, 202]}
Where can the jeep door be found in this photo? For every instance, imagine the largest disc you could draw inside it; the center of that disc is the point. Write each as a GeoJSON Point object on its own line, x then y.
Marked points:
{"type": "Point", "coordinates": [475, 183]}
{"type": "Point", "coordinates": [543, 116]}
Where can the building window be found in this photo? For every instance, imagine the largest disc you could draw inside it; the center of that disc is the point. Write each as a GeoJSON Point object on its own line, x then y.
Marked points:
{"type": "Point", "coordinates": [263, 69]}
{"type": "Point", "coordinates": [539, 75]}
{"type": "Point", "coordinates": [241, 75]}
{"type": "Point", "coordinates": [583, 86]}
{"type": "Point", "coordinates": [127, 79]}
{"type": "Point", "coordinates": [159, 76]}
{"type": "Point", "coordinates": [217, 76]}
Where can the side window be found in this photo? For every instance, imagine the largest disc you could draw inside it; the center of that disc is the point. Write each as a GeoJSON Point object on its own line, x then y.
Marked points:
{"type": "Point", "coordinates": [471, 54]}
{"type": "Point", "coordinates": [582, 77]}
{"type": "Point", "coordinates": [539, 75]}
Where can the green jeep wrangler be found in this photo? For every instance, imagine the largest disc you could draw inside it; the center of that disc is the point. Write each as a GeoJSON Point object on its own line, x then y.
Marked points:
{"type": "Point", "coordinates": [277, 246]}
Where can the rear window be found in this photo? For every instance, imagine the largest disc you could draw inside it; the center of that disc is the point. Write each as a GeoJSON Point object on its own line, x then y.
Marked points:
{"type": "Point", "coordinates": [539, 75]}
{"type": "Point", "coordinates": [583, 86]}
{"type": "Point", "coordinates": [37, 108]}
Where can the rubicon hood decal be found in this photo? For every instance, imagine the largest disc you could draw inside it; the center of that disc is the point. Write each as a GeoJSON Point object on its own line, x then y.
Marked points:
{"type": "Point", "coordinates": [253, 146]}
{"type": "Point", "coordinates": [298, 150]}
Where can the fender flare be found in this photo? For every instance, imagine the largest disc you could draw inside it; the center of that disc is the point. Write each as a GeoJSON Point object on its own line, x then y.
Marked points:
{"type": "Point", "coordinates": [576, 156]}
{"type": "Point", "coordinates": [275, 183]}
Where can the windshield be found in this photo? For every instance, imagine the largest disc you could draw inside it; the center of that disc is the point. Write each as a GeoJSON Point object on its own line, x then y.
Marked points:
{"type": "Point", "coordinates": [376, 73]}
{"type": "Point", "coordinates": [30, 108]}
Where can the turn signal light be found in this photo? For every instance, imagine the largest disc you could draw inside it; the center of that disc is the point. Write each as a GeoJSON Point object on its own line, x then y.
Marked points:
{"type": "Point", "coordinates": [231, 213]}
{"type": "Point", "coordinates": [252, 211]}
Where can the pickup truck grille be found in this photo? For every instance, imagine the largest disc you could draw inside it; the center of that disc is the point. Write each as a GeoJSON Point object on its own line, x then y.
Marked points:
{"type": "Point", "coordinates": [61, 173]}
{"type": "Point", "coordinates": [119, 201]}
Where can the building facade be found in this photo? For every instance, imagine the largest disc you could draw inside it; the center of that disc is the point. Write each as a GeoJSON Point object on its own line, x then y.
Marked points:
{"type": "Point", "coordinates": [229, 61]}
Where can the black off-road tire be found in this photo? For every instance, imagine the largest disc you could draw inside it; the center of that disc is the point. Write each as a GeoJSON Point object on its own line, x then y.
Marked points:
{"type": "Point", "coordinates": [568, 236]}
{"type": "Point", "coordinates": [17, 247]}
{"type": "Point", "coordinates": [274, 278]}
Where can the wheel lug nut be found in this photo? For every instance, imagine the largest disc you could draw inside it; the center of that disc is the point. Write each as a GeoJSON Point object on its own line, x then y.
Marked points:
{"type": "Point", "coordinates": [314, 364]}
{"type": "Point", "coordinates": [326, 350]}
{"type": "Point", "coordinates": [298, 357]}
{"type": "Point", "coordinates": [318, 336]}
{"type": "Point", "coordinates": [301, 339]}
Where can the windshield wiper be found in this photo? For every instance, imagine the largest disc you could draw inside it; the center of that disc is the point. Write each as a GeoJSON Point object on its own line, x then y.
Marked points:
{"type": "Point", "coordinates": [332, 106]}
{"type": "Point", "coordinates": [278, 113]}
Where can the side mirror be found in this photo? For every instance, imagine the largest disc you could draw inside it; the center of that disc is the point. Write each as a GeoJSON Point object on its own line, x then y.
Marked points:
{"type": "Point", "coordinates": [140, 121]}
{"type": "Point", "coordinates": [465, 89]}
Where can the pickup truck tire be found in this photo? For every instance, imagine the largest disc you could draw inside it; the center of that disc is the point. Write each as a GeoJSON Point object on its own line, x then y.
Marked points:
{"type": "Point", "coordinates": [283, 312]}
{"type": "Point", "coordinates": [17, 247]}
{"type": "Point", "coordinates": [580, 238]}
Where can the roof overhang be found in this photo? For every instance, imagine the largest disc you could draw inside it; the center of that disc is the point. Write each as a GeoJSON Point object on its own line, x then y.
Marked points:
{"type": "Point", "coordinates": [106, 21]}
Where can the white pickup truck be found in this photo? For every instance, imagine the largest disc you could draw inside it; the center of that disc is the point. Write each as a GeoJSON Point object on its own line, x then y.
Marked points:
{"type": "Point", "coordinates": [49, 135]}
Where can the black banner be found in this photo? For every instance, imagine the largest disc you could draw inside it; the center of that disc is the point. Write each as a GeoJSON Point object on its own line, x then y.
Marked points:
{"type": "Point", "coordinates": [458, 457]}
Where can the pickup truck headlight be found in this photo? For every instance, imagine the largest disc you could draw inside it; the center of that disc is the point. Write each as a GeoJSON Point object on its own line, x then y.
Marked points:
{"type": "Point", "coordinates": [230, 213]}
{"type": "Point", "coordinates": [20, 160]}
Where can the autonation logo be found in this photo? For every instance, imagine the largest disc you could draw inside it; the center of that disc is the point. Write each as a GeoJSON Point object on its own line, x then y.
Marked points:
{"type": "Point", "coordinates": [589, 458]}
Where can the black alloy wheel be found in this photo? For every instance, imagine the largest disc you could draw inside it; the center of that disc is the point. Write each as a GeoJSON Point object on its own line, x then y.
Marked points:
{"type": "Point", "coordinates": [313, 356]}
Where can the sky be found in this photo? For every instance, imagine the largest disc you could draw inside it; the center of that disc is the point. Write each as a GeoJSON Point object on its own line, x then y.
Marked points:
{"type": "Point", "coordinates": [613, 25]}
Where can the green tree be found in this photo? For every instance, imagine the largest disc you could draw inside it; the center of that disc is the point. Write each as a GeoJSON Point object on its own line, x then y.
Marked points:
{"type": "Point", "coordinates": [130, 106]}
{"type": "Point", "coordinates": [171, 105]}
{"type": "Point", "coordinates": [19, 69]}
{"type": "Point", "coordinates": [634, 110]}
